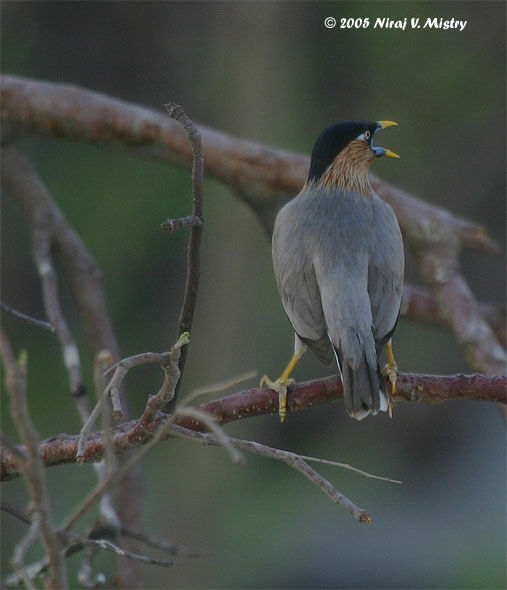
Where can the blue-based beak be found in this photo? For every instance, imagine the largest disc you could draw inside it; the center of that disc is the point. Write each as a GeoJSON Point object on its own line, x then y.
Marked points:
{"type": "Point", "coordinates": [380, 151]}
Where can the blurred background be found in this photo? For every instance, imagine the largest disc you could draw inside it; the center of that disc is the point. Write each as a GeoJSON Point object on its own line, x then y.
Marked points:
{"type": "Point", "coordinates": [271, 72]}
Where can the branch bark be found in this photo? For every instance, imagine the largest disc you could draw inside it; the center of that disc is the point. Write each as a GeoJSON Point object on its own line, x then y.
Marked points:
{"type": "Point", "coordinates": [256, 402]}
{"type": "Point", "coordinates": [263, 177]}
{"type": "Point", "coordinates": [84, 277]}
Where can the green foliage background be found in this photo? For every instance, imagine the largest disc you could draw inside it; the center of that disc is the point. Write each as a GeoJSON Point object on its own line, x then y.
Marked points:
{"type": "Point", "coordinates": [271, 72]}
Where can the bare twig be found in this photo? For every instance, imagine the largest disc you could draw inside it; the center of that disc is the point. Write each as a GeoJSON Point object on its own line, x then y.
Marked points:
{"type": "Point", "coordinates": [22, 548]}
{"type": "Point", "coordinates": [23, 183]}
{"type": "Point", "coordinates": [110, 463]}
{"type": "Point", "coordinates": [112, 479]}
{"type": "Point", "coordinates": [256, 402]}
{"type": "Point", "coordinates": [13, 511]}
{"type": "Point", "coordinates": [41, 246]}
{"type": "Point", "coordinates": [172, 225]}
{"type": "Point", "coordinates": [84, 278]}
{"type": "Point", "coordinates": [194, 242]}
{"type": "Point", "coordinates": [291, 459]}
{"type": "Point", "coordinates": [26, 318]}
{"type": "Point", "coordinates": [169, 362]}
{"type": "Point", "coordinates": [16, 379]}
{"type": "Point", "coordinates": [162, 544]}
{"type": "Point", "coordinates": [108, 546]}
{"type": "Point", "coordinates": [99, 532]}
{"type": "Point", "coordinates": [211, 424]}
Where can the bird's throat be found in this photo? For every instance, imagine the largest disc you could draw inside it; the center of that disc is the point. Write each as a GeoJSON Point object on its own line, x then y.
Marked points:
{"type": "Point", "coordinates": [349, 170]}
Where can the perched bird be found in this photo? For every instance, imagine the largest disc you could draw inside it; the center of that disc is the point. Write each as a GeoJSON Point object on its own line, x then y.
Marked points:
{"type": "Point", "coordinates": [338, 262]}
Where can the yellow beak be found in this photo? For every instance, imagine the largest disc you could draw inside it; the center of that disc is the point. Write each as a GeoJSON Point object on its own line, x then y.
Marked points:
{"type": "Point", "coordinates": [385, 125]}
{"type": "Point", "coordinates": [390, 154]}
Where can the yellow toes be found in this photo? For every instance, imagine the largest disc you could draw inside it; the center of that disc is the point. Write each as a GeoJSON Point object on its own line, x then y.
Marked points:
{"type": "Point", "coordinates": [280, 386]}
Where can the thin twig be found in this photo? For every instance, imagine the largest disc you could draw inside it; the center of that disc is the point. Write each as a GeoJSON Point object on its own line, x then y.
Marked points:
{"type": "Point", "coordinates": [194, 242]}
{"type": "Point", "coordinates": [41, 247]}
{"type": "Point", "coordinates": [110, 463]}
{"type": "Point", "coordinates": [95, 495]}
{"type": "Point", "coordinates": [169, 362]}
{"type": "Point", "coordinates": [13, 511]}
{"type": "Point", "coordinates": [26, 318]}
{"type": "Point", "coordinates": [84, 278]}
{"type": "Point", "coordinates": [121, 369]}
{"type": "Point", "coordinates": [22, 548]}
{"type": "Point", "coordinates": [162, 544]}
{"type": "Point", "coordinates": [350, 467]}
{"type": "Point", "coordinates": [99, 532]}
{"type": "Point", "coordinates": [292, 459]}
{"type": "Point", "coordinates": [108, 546]}
{"type": "Point", "coordinates": [16, 382]}
{"type": "Point", "coordinates": [172, 225]}
{"type": "Point", "coordinates": [211, 424]}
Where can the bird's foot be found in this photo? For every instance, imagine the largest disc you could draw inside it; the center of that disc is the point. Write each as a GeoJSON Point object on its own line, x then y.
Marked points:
{"type": "Point", "coordinates": [280, 386]}
{"type": "Point", "coordinates": [391, 372]}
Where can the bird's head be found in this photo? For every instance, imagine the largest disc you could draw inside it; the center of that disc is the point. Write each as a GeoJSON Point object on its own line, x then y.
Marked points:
{"type": "Point", "coordinates": [343, 153]}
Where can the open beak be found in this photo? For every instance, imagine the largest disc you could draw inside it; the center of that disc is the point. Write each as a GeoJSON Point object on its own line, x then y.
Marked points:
{"type": "Point", "coordinates": [382, 151]}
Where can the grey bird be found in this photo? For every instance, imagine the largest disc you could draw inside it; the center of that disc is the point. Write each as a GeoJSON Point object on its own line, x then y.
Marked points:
{"type": "Point", "coordinates": [338, 261]}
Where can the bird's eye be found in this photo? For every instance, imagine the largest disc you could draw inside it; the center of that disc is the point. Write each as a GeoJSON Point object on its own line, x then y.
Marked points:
{"type": "Point", "coordinates": [367, 134]}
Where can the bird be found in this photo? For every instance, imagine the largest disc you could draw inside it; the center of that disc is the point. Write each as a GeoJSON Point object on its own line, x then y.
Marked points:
{"type": "Point", "coordinates": [338, 261]}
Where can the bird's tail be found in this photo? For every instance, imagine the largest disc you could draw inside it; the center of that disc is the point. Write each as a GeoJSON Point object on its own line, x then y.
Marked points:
{"type": "Point", "coordinates": [364, 388]}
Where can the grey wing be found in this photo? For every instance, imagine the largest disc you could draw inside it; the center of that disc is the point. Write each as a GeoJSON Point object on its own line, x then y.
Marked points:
{"type": "Point", "coordinates": [297, 285]}
{"type": "Point", "coordinates": [385, 272]}
{"type": "Point", "coordinates": [347, 311]}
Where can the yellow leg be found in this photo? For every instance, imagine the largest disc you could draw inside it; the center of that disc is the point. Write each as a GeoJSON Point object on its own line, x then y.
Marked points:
{"type": "Point", "coordinates": [391, 370]}
{"type": "Point", "coordinates": [280, 385]}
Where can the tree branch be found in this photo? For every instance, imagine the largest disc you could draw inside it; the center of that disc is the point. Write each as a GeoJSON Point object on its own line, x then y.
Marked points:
{"type": "Point", "coordinates": [84, 277]}
{"type": "Point", "coordinates": [256, 402]}
{"type": "Point", "coordinates": [456, 303]}
{"type": "Point", "coordinates": [263, 177]}
{"type": "Point", "coordinates": [15, 375]}
{"type": "Point", "coordinates": [419, 304]}
{"type": "Point", "coordinates": [196, 229]}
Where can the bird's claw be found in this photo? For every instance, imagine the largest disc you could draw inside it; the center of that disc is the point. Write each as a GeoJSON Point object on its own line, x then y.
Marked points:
{"type": "Point", "coordinates": [391, 372]}
{"type": "Point", "coordinates": [281, 387]}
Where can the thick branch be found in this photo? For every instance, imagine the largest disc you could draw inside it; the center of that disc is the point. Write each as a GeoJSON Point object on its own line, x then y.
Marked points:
{"type": "Point", "coordinates": [263, 177]}
{"type": "Point", "coordinates": [256, 402]}
{"type": "Point", "coordinates": [456, 303]}
{"type": "Point", "coordinates": [418, 304]}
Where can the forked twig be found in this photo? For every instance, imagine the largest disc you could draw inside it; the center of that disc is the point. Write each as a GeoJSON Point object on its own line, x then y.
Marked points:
{"type": "Point", "coordinates": [194, 242]}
